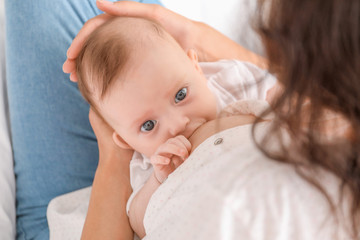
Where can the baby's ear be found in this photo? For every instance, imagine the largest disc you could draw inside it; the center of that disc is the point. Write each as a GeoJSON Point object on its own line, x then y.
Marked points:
{"type": "Point", "coordinates": [194, 59]}
{"type": "Point", "coordinates": [120, 141]}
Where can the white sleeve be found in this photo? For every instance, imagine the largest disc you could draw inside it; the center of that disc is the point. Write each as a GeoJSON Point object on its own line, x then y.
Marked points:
{"type": "Point", "coordinates": [259, 81]}
{"type": "Point", "coordinates": [140, 171]}
{"type": "Point", "coordinates": [232, 80]}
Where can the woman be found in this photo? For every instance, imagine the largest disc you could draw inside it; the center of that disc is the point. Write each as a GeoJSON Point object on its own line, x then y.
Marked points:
{"type": "Point", "coordinates": [313, 47]}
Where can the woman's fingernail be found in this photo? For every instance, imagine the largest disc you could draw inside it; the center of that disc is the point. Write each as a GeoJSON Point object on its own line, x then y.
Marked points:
{"type": "Point", "coordinates": [73, 77]}
{"type": "Point", "coordinates": [105, 2]}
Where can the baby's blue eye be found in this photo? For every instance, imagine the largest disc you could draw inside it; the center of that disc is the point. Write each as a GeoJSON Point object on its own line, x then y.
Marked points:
{"type": "Point", "coordinates": [180, 95]}
{"type": "Point", "coordinates": [148, 126]}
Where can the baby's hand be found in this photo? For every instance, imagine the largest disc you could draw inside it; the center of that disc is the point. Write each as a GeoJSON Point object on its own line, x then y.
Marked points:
{"type": "Point", "coordinates": [169, 156]}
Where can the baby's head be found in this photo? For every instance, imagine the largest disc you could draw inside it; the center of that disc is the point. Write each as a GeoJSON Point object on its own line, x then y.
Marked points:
{"type": "Point", "coordinates": [143, 84]}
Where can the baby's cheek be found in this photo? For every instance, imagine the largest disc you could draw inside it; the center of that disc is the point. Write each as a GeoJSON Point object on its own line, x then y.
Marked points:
{"type": "Point", "coordinates": [212, 111]}
{"type": "Point", "coordinates": [152, 149]}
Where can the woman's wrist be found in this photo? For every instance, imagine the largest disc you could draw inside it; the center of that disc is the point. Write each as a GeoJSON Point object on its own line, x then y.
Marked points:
{"type": "Point", "coordinates": [115, 156]}
{"type": "Point", "coordinates": [110, 192]}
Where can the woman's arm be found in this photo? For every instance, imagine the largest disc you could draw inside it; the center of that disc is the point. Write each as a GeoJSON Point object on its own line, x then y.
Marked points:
{"type": "Point", "coordinates": [106, 217]}
{"type": "Point", "coordinates": [210, 44]}
{"type": "Point", "coordinates": [213, 45]}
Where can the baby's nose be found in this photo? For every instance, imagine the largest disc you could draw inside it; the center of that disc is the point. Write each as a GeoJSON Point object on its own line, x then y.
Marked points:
{"type": "Point", "coordinates": [178, 125]}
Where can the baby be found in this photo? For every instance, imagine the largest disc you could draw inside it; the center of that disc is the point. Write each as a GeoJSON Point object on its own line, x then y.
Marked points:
{"type": "Point", "coordinates": [155, 95]}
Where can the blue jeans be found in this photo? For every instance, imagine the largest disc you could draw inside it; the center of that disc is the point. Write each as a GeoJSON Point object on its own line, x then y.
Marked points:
{"type": "Point", "coordinates": [55, 150]}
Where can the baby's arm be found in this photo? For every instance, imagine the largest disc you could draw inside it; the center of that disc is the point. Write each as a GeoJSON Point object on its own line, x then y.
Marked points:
{"type": "Point", "coordinates": [166, 159]}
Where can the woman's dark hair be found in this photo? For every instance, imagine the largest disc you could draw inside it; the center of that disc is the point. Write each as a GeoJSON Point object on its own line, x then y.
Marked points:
{"type": "Point", "coordinates": [313, 48]}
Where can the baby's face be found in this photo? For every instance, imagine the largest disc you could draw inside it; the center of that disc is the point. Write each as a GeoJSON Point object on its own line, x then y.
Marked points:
{"type": "Point", "coordinates": [162, 95]}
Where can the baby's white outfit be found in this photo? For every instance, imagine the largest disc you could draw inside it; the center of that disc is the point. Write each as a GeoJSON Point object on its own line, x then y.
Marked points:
{"type": "Point", "coordinates": [230, 81]}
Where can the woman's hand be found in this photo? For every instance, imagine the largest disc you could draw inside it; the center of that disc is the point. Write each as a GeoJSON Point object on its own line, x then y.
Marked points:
{"type": "Point", "coordinates": [209, 44]}
{"type": "Point", "coordinates": [178, 26]}
{"type": "Point", "coordinates": [106, 217]}
{"type": "Point", "coordinates": [107, 148]}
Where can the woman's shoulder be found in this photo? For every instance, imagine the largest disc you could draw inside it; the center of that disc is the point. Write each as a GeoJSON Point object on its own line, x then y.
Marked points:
{"type": "Point", "coordinates": [267, 197]}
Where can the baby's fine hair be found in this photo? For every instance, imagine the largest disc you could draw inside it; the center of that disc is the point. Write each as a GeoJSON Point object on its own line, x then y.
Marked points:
{"type": "Point", "coordinates": [108, 49]}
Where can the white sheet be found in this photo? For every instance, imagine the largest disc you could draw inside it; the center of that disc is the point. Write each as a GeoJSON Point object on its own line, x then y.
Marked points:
{"type": "Point", "coordinates": [7, 178]}
{"type": "Point", "coordinates": [66, 215]}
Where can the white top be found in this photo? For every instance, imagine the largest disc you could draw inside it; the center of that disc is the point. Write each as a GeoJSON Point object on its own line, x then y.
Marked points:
{"type": "Point", "coordinates": [229, 190]}
{"type": "Point", "coordinates": [230, 81]}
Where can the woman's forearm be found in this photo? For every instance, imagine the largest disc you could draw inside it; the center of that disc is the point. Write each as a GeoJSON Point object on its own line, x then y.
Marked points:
{"type": "Point", "coordinates": [212, 45]}
{"type": "Point", "coordinates": [139, 205]}
{"type": "Point", "coordinates": [106, 217]}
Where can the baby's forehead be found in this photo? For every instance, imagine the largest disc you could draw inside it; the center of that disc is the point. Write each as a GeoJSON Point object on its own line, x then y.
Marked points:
{"type": "Point", "coordinates": [133, 28]}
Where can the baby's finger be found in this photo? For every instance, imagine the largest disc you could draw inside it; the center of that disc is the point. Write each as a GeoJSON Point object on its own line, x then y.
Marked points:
{"type": "Point", "coordinates": [177, 161]}
{"type": "Point", "coordinates": [184, 141]}
{"type": "Point", "coordinates": [172, 149]}
{"type": "Point", "coordinates": [159, 160]}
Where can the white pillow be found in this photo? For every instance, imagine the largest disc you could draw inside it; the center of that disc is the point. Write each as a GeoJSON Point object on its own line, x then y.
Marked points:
{"type": "Point", "coordinates": [7, 178]}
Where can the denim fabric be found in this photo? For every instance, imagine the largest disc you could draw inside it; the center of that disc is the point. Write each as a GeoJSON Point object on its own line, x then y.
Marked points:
{"type": "Point", "coordinates": [55, 150]}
